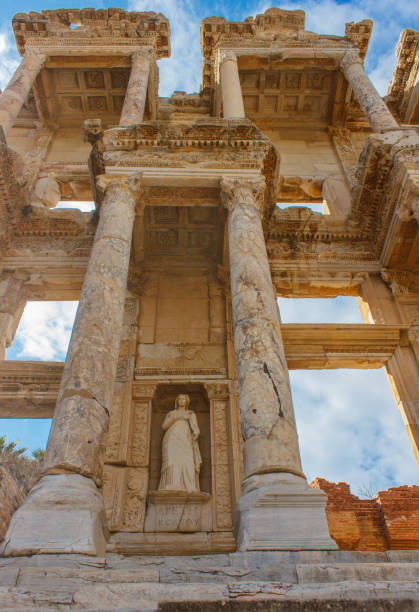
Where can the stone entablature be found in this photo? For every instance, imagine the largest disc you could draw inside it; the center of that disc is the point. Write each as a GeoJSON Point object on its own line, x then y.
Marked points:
{"type": "Point", "coordinates": [403, 90]}
{"type": "Point", "coordinates": [104, 27]}
{"type": "Point", "coordinates": [278, 37]}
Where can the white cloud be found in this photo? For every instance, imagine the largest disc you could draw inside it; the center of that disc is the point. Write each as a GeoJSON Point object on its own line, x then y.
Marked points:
{"type": "Point", "coordinates": [350, 429]}
{"type": "Point", "coordinates": [83, 206]}
{"type": "Point", "coordinates": [319, 310]}
{"type": "Point", "coordinates": [9, 58]}
{"type": "Point", "coordinates": [390, 18]}
{"type": "Point", "coordinates": [182, 71]}
{"type": "Point", "coordinates": [44, 331]}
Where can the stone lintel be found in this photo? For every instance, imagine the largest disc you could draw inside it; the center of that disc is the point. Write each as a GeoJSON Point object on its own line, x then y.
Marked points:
{"type": "Point", "coordinates": [328, 346]}
{"type": "Point", "coordinates": [29, 389]}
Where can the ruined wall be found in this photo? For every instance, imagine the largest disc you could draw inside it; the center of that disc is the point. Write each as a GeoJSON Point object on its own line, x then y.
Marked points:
{"type": "Point", "coordinates": [11, 498]}
{"type": "Point", "coordinates": [388, 522]}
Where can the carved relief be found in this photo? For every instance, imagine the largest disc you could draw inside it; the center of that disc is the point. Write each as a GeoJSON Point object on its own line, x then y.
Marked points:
{"type": "Point", "coordinates": [135, 498]}
{"type": "Point", "coordinates": [141, 435]}
{"type": "Point", "coordinates": [222, 479]}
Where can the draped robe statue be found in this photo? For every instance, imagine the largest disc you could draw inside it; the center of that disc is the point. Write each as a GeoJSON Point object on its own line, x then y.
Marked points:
{"type": "Point", "coordinates": [181, 458]}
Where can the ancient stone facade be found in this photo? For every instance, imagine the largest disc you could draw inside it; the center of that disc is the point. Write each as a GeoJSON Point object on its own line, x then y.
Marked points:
{"type": "Point", "coordinates": [178, 269]}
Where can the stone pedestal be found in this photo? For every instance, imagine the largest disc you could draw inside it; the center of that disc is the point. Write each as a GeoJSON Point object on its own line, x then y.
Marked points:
{"type": "Point", "coordinates": [179, 511]}
{"type": "Point", "coordinates": [282, 512]}
{"type": "Point", "coordinates": [136, 94]}
{"type": "Point", "coordinates": [230, 86]}
{"type": "Point", "coordinates": [368, 97]}
{"type": "Point", "coordinates": [63, 514]}
{"type": "Point", "coordinates": [271, 453]}
{"type": "Point", "coordinates": [18, 88]}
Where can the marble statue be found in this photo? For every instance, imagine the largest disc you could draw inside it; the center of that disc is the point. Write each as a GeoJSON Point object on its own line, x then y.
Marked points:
{"type": "Point", "coordinates": [181, 458]}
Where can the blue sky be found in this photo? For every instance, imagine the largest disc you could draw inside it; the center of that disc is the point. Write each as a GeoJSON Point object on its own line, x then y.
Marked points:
{"type": "Point", "coordinates": [348, 423]}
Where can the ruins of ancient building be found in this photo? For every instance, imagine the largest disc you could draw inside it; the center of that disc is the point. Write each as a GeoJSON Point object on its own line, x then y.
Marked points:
{"type": "Point", "coordinates": [173, 430]}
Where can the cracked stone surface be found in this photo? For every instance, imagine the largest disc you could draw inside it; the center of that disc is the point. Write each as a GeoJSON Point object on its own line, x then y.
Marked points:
{"type": "Point", "coordinates": [268, 424]}
{"type": "Point", "coordinates": [85, 396]}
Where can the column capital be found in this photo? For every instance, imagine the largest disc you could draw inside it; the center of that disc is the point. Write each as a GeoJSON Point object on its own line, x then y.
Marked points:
{"type": "Point", "coordinates": [349, 58]}
{"type": "Point", "coordinates": [227, 55]}
{"type": "Point", "coordinates": [132, 184]}
{"type": "Point", "coordinates": [34, 58]}
{"type": "Point", "coordinates": [143, 53]}
{"type": "Point", "coordinates": [239, 191]}
{"type": "Point", "coordinates": [217, 390]}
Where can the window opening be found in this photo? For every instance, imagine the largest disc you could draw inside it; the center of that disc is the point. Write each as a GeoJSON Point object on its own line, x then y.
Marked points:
{"type": "Point", "coordinates": [84, 206]}
{"type": "Point", "coordinates": [350, 429]}
{"type": "Point", "coordinates": [341, 309]}
{"type": "Point", "coordinates": [44, 332]}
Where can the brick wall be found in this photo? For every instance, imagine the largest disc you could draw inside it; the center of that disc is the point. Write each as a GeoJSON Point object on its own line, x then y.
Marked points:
{"type": "Point", "coordinates": [11, 498]}
{"type": "Point", "coordinates": [400, 507]}
{"type": "Point", "coordinates": [390, 521]}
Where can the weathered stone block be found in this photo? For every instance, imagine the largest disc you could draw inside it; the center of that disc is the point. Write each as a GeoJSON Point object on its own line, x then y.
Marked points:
{"type": "Point", "coordinates": [63, 513]}
{"type": "Point", "coordinates": [281, 511]}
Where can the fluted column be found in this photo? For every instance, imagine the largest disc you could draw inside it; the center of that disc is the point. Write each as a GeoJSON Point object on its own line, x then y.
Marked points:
{"type": "Point", "coordinates": [277, 510]}
{"type": "Point", "coordinates": [64, 511]}
{"type": "Point", "coordinates": [230, 86]}
{"type": "Point", "coordinates": [374, 107]}
{"type": "Point", "coordinates": [136, 94]}
{"type": "Point", "coordinates": [268, 424]}
{"type": "Point", "coordinates": [18, 88]}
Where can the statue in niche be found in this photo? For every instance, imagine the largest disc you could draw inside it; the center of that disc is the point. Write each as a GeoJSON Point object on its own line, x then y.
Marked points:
{"type": "Point", "coordinates": [181, 458]}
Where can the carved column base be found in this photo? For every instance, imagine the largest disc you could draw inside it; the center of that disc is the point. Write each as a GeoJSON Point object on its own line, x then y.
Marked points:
{"type": "Point", "coordinates": [281, 512]}
{"type": "Point", "coordinates": [63, 513]}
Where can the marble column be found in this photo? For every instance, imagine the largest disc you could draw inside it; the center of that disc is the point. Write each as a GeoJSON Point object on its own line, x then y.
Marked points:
{"type": "Point", "coordinates": [64, 511]}
{"type": "Point", "coordinates": [277, 509]}
{"type": "Point", "coordinates": [374, 107]}
{"type": "Point", "coordinates": [136, 94]}
{"type": "Point", "coordinates": [230, 86]}
{"type": "Point", "coordinates": [12, 305]}
{"type": "Point", "coordinates": [18, 88]}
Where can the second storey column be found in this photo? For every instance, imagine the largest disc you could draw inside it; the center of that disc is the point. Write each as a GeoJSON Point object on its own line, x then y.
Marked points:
{"type": "Point", "coordinates": [18, 88]}
{"type": "Point", "coordinates": [230, 86]}
{"type": "Point", "coordinates": [369, 99]}
{"type": "Point", "coordinates": [136, 94]}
